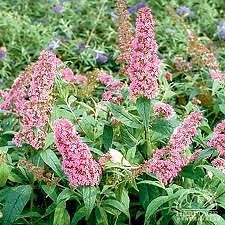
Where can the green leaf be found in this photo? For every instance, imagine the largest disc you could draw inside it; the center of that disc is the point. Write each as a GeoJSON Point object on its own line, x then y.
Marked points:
{"type": "Point", "coordinates": [144, 106]}
{"type": "Point", "coordinates": [222, 108]}
{"type": "Point", "coordinates": [154, 205]}
{"type": "Point", "coordinates": [79, 215]}
{"type": "Point", "coordinates": [163, 126]}
{"type": "Point", "coordinates": [215, 219]}
{"type": "Point", "coordinates": [49, 140]}
{"type": "Point", "coordinates": [65, 195]}
{"type": "Point", "coordinates": [216, 86]}
{"type": "Point", "coordinates": [50, 158]}
{"type": "Point", "coordinates": [123, 116]}
{"type": "Point", "coordinates": [4, 173]}
{"type": "Point", "coordinates": [101, 216]}
{"type": "Point", "coordinates": [89, 197]}
{"type": "Point", "coordinates": [61, 216]}
{"type": "Point", "coordinates": [107, 136]}
{"type": "Point", "coordinates": [15, 203]}
{"type": "Point", "coordinates": [50, 191]}
{"type": "Point", "coordinates": [217, 173]}
{"type": "Point", "coordinates": [116, 204]}
{"type": "Point", "coordinates": [154, 183]}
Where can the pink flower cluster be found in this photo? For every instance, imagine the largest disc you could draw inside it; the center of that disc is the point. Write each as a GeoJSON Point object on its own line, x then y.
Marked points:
{"type": "Point", "coordinates": [114, 87]}
{"type": "Point", "coordinates": [219, 163]}
{"type": "Point", "coordinates": [168, 161]}
{"type": "Point", "coordinates": [144, 67]}
{"type": "Point", "coordinates": [68, 75]}
{"type": "Point", "coordinates": [164, 110]}
{"type": "Point", "coordinates": [78, 163]}
{"type": "Point", "coordinates": [218, 139]}
{"type": "Point", "coordinates": [217, 75]}
{"type": "Point", "coordinates": [30, 97]}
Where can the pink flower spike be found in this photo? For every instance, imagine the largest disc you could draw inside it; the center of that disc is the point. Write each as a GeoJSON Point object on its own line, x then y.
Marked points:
{"type": "Point", "coordinates": [143, 68]}
{"type": "Point", "coordinates": [78, 163]}
{"type": "Point", "coordinates": [168, 161]}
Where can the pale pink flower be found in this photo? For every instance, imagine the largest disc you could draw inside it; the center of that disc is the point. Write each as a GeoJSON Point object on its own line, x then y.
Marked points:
{"type": "Point", "coordinates": [169, 76]}
{"type": "Point", "coordinates": [113, 88]}
{"type": "Point", "coordinates": [217, 75]}
{"type": "Point", "coordinates": [196, 101]}
{"type": "Point", "coordinates": [68, 75]}
{"type": "Point", "coordinates": [164, 110]}
{"type": "Point", "coordinates": [30, 97]}
{"type": "Point", "coordinates": [105, 78]}
{"type": "Point", "coordinates": [143, 66]}
{"type": "Point", "coordinates": [78, 163]}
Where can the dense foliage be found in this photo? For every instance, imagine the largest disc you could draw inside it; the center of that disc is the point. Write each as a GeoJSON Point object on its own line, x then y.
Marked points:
{"type": "Point", "coordinates": [112, 112]}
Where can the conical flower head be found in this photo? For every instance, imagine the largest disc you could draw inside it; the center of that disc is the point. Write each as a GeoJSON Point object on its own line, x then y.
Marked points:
{"type": "Point", "coordinates": [78, 163]}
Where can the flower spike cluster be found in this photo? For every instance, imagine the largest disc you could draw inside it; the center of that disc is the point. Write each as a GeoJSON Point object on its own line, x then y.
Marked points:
{"type": "Point", "coordinates": [144, 67]}
{"type": "Point", "coordinates": [78, 163]}
{"type": "Point", "coordinates": [168, 161]}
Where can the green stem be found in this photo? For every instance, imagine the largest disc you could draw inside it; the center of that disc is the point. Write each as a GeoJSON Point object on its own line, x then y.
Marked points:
{"type": "Point", "coordinates": [149, 147]}
{"type": "Point", "coordinates": [96, 23]}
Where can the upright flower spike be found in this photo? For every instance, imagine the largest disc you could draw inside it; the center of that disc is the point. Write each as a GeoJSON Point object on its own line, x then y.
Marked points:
{"type": "Point", "coordinates": [125, 34]}
{"type": "Point", "coordinates": [218, 139]}
{"type": "Point", "coordinates": [168, 161]}
{"type": "Point", "coordinates": [144, 67]}
{"type": "Point", "coordinates": [78, 163]}
{"type": "Point", "coordinates": [30, 97]}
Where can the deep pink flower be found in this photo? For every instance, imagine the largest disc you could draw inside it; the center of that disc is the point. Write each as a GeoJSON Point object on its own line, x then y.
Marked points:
{"type": "Point", "coordinates": [219, 163]}
{"type": "Point", "coordinates": [78, 163]}
{"type": "Point", "coordinates": [161, 109]}
{"type": "Point", "coordinates": [143, 66]}
{"type": "Point", "coordinates": [168, 161]}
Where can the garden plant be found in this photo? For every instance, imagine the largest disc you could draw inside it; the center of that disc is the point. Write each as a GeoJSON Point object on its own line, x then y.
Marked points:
{"type": "Point", "coordinates": [112, 112]}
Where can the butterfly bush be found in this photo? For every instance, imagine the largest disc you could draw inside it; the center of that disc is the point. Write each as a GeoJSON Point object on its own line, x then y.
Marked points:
{"type": "Point", "coordinates": [114, 88]}
{"type": "Point", "coordinates": [164, 110]}
{"type": "Point", "coordinates": [78, 163]}
{"type": "Point", "coordinates": [218, 139]}
{"type": "Point", "coordinates": [30, 97]}
{"type": "Point", "coordinates": [68, 75]}
{"type": "Point", "coordinates": [143, 66]}
{"type": "Point", "coordinates": [125, 34]}
{"type": "Point", "coordinates": [168, 161]}
{"type": "Point", "coordinates": [217, 75]}
{"type": "Point", "coordinates": [219, 163]}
